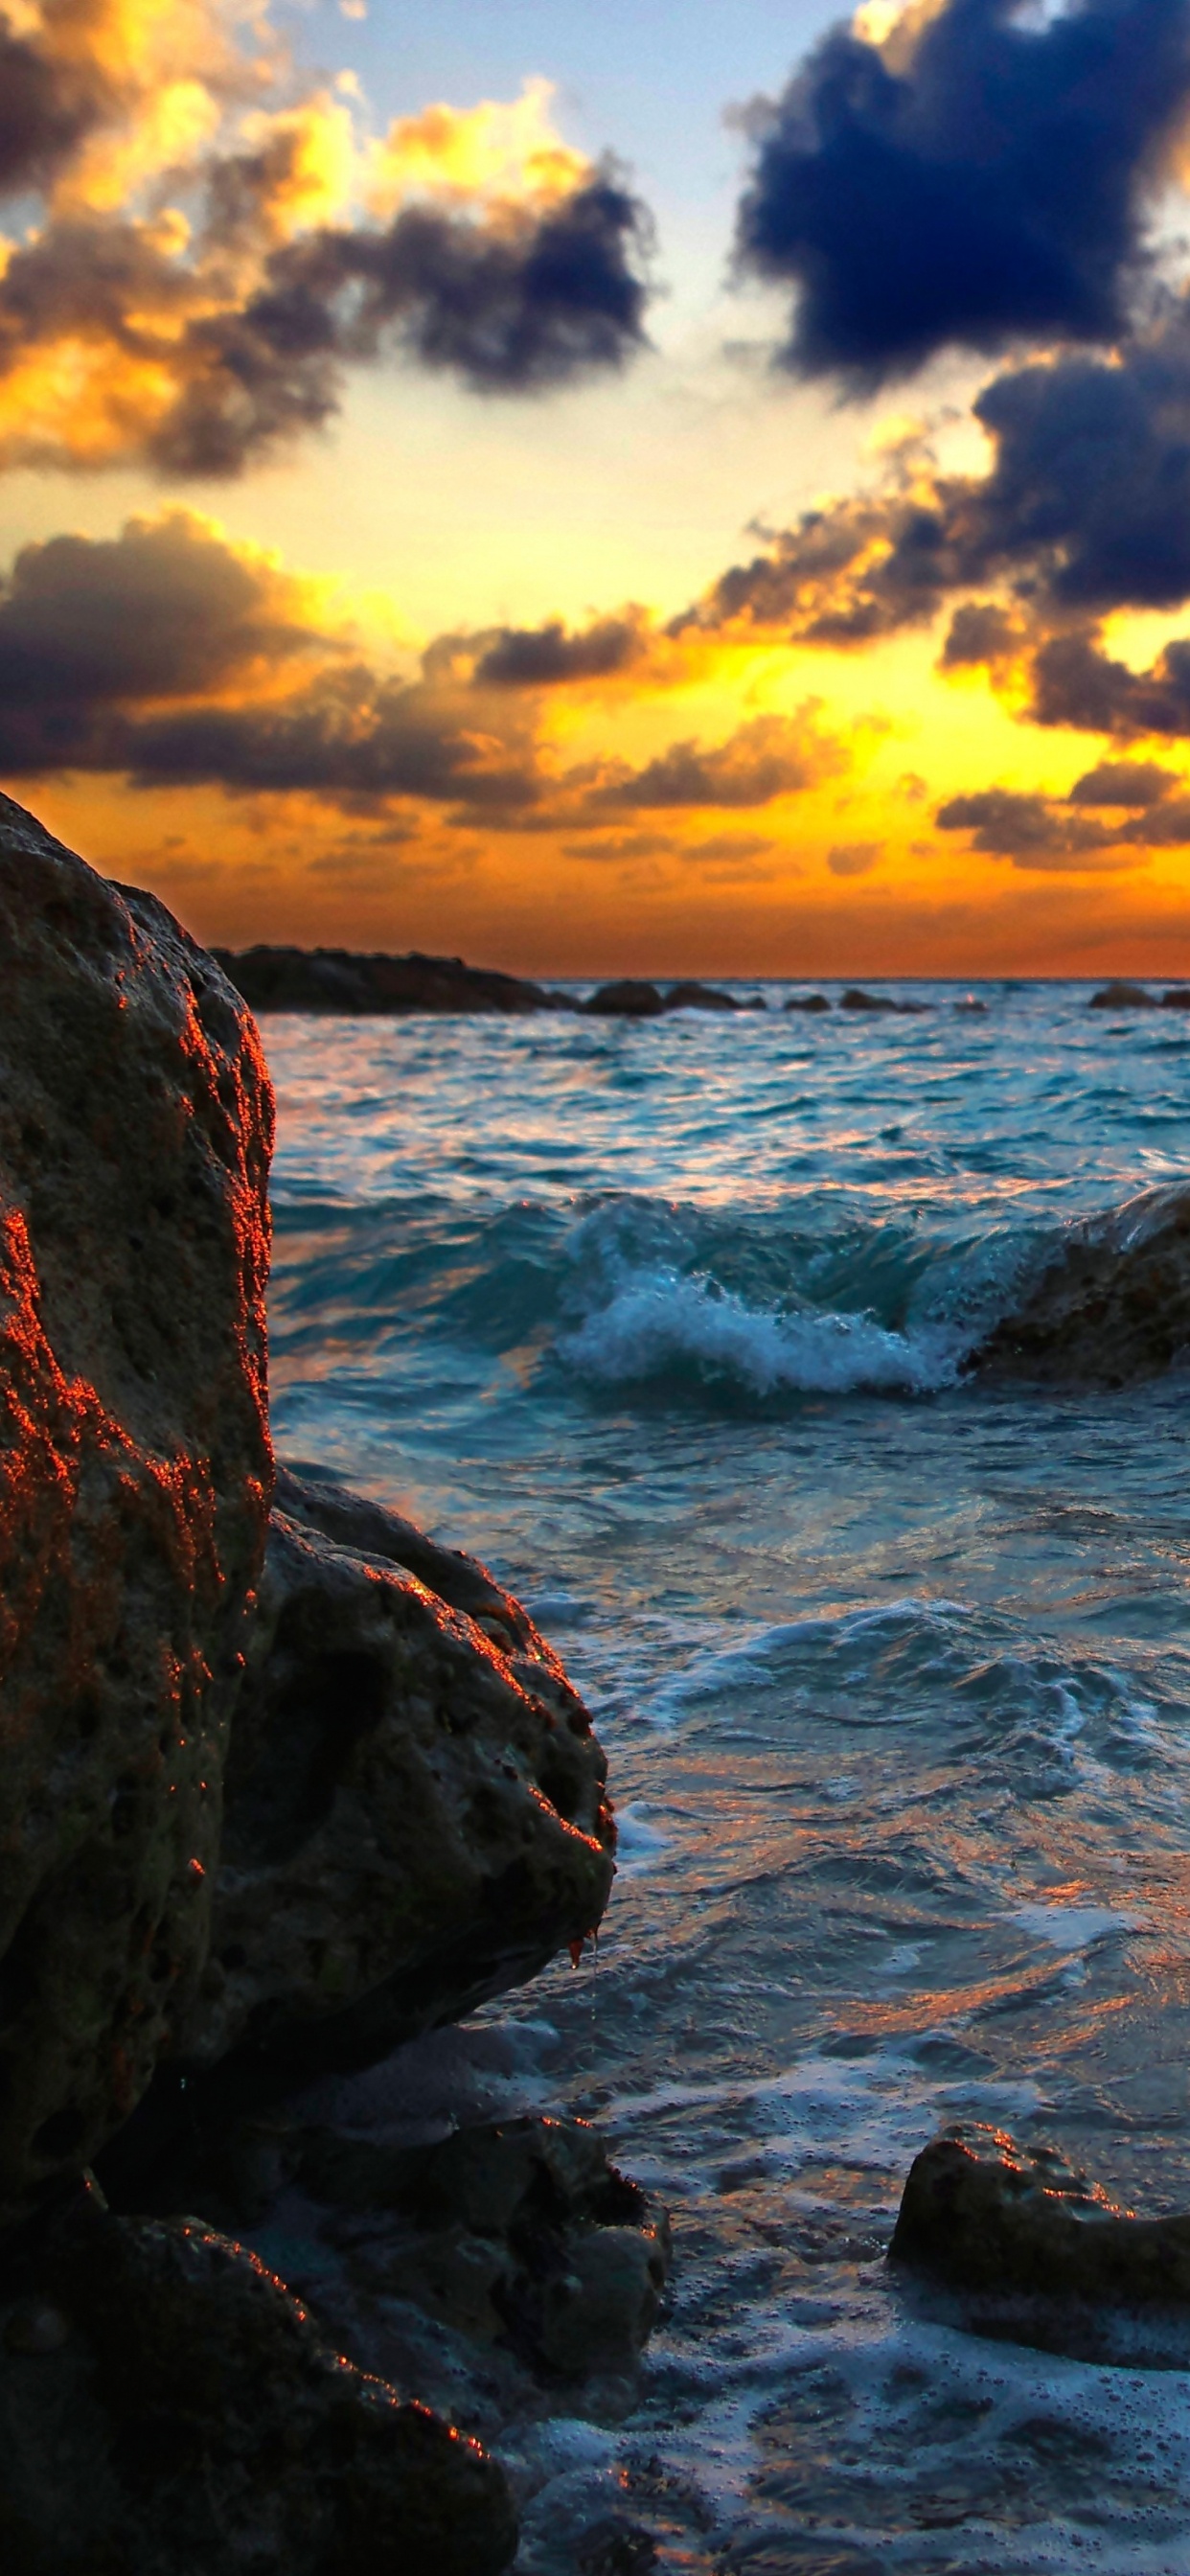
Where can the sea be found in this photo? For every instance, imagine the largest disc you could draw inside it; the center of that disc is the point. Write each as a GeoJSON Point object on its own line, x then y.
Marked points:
{"type": "Point", "coordinates": [667, 1322]}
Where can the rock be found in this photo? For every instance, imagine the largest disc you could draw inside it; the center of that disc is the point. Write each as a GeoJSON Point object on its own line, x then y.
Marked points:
{"type": "Point", "coordinates": [414, 1816]}
{"type": "Point", "coordinates": [1111, 1307]}
{"type": "Point", "coordinates": [808, 1002]}
{"type": "Point", "coordinates": [1122, 996]}
{"type": "Point", "coordinates": [193, 2418]}
{"type": "Point", "coordinates": [339, 979]}
{"type": "Point", "coordinates": [970, 1002]}
{"type": "Point", "coordinates": [518, 2232]}
{"type": "Point", "coordinates": [628, 1000]}
{"type": "Point", "coordinates": [855, 999]}
{"type": "Point", "coordinates": [701, 997]}
{"type": "Point", "coordinates": [135, 1472]}
{"type": "Point", "coordinates": [982, 2213]}
{"type": "Point", "coordinates": [1177, 998]}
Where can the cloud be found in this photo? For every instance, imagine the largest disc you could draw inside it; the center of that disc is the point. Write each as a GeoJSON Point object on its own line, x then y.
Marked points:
{"type": "Point", "coordinates": [1076, 683]}
{"type": "Point", "coordinates": [770, 756]}
{"type": "Point", "coordinates": [539, 657]}
{"type": "Point", "coordinates": [1085, 510]}
{"type": "Point", "coordinates": [166, 610]}
{"type": "Point", "coordinates": [176, 658]}
{"type": "Point", "coordinates": [854, 858]}
{"type": "Point", "coordinates": [1058, 834]}
{"type": "Point", "coordinates": [165, 654]}
{"type": "Point", "coordinates": [208, 270]}
{"type": "Point", "coordinates": [43, 113]}
{"type": "Point", "coordinates": [971, 179]}
{"type": "Point", "coordinates": [1125, 783]}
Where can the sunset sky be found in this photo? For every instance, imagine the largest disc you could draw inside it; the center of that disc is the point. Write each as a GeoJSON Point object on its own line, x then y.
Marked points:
{"type": "Point", "coordinates": [701, 489]}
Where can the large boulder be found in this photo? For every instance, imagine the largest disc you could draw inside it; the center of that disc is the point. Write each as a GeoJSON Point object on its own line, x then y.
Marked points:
{"type": "Point", "coordinates": [166, 2406]}
{"type": "Point", "coordinates": [135, 1475]}
{"type": "Point", "coordinates": [415, 1816]}
{"type": "Point", "coordinates": [1110, 1307]}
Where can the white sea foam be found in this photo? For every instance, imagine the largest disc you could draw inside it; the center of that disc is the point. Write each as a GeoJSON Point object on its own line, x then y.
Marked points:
{"type": "Point", "coordinates": [660, 1320]}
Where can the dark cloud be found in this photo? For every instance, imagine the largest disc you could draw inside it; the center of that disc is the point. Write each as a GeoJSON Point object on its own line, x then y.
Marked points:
{"type": "Point", "coordinates": [977, 179]}
{"type": "Point", "coordinates": [45, 110]}
{"type": "Point", "coordinates": [96, 638]}
{"type": "Point", "coordinates": [208, 348]}
{"type": "Point", "coordinates": [508, 307]}
{"type": "Point", "coordinates": [981, 632]}
{"type": "Point", "coordinates": [1049, 832]}
{"type": "Point", "coordinates": [540, 657]}
{"type": "Point", "coordinates": [1034, 831]}
{"type": "Point", "coordinates": [768, 757]}
{"type": "Point", "coordinates": [1125, 783]}
{"type": "Point", "coordinates": [1085, 509]}
{"type": "Point", "coordinates": [347, 736]}
{"type": "Point", "coordinates": [853, 858]}
{"type": "Point", "coordinates": [165, 610]}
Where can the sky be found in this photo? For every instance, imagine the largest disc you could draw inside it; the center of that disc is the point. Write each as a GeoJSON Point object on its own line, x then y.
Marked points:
{"type": "Point", "coordinates": [695, 491]}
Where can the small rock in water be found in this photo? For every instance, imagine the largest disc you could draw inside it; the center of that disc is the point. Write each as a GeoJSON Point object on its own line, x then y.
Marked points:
{"type": "Point", "coordinates": [701, 997]}
{"type": "Point", "coordinates": [1177, 998]}
{"type": "Point", "coordinates": [855, 999]}
{"type": "Point", "coordinates": [629, 1000]}
{"type": "Point", "coordinates": [807, 1002]}
{"type": "Point", "coordinates": [1122, 996]}
{"type": "Point", "coordinates": [982, 2213]}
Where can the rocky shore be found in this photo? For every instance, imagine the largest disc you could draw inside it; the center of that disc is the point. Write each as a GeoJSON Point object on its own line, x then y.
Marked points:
{"type": "Point", "coordinates": [284, 1784]}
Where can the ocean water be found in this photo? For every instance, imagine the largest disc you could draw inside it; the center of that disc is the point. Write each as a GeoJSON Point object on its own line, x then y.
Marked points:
{"type": "Point", "coordinates": [667, 1323]}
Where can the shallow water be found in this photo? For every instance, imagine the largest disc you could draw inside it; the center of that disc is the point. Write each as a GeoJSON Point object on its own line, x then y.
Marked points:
{"type": "Point", "coordinates": [666, 1322]}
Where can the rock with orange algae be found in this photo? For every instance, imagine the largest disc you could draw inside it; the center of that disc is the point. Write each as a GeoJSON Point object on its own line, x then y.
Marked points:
{"type": "Point", "coordinates": [135, 1471]}
{"type": "Point", "coordinates": [189, 2415]}
{"type": "Point", "coordinates": [414, 1817]}
{"type": "Point", "coordinates": [982, 2213]}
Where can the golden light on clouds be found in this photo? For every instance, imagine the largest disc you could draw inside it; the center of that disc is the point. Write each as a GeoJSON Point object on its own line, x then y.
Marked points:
{"type": "Point", "coordinates": [507, 152]}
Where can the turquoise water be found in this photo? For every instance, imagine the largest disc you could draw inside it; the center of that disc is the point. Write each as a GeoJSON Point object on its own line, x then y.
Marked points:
{"type": "Point", "coordinates": [667, 1322]}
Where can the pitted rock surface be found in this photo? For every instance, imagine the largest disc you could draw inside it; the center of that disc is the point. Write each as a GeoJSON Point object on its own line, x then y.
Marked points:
{"type": "Point", "coordinates": [135, 1473]}
{"type": "Point", "coordinates": [415, 1816]}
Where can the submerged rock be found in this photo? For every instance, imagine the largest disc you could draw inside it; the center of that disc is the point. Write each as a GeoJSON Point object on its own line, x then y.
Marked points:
{"type": "Point", "coordinates": [1122, 996]}
{"type": "Point", "coordinates": [982, 2213]}
{"type": "Point", "coordinates": [187, 2415]}
{"type": "Point", "coordinates": [414, 1815]}
{"type": "Point", "coordinates": [807, 1002]}
{"type": "Point", "coordinates": [1111, 1307]}
{"type": "Point", "coordinates": [340, 979]}
{"type": "Point", "coordinates": [135, 1125]}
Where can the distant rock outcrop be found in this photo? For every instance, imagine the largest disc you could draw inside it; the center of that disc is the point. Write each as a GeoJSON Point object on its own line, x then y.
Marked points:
{"type": "Point", "coordinates": [338, 979]}
{"type": "Point", "coordinates": [135, 1474]}
{"type": "Point", "coordinates": [1122, 996]}
{"type": "Point", "coordinates": [856, 999]}
{"type": "Point", "coordinates": [1110, 1307]}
